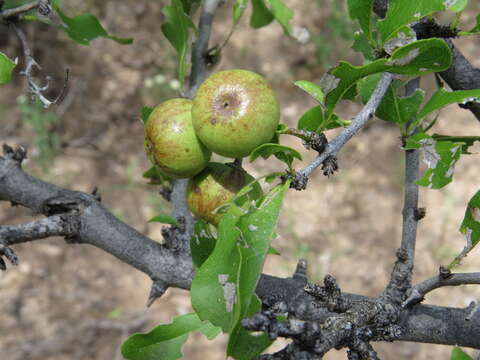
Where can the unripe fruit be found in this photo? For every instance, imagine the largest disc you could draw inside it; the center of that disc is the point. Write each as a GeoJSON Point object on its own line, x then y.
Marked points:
{"type": "Point", "coordinates": [170, 140]}
{"type": "Point", "coordinates": [216, 185]}
{"type": "Point", "coordinates": [234, 111]}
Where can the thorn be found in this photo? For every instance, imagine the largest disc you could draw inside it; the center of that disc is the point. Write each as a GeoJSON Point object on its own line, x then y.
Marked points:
{"type": "Point", "coordinates": [96, 194]}
{"type": "Point", "coordinates": [158, 289]}
{"type": "Point", "coordinates": [9, 254]}
{"type": "Point", "coordinates": [300, 273]}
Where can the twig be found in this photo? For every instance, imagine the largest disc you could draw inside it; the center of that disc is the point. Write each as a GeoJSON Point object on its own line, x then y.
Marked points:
{"type": "Point", "coordinates": [19, 10]}
{"type": "Point", "coordinates": [358, 122]}
{"type": "Point", "coordinates": [36, 89]}
{"type": "Point", "coordinates": [200, 46]}
{"type": "Point", "coordinates": [419, 291]}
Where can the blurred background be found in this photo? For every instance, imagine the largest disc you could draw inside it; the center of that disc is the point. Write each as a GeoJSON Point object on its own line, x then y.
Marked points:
{"type": "Point", "coordinates": [77, 302]}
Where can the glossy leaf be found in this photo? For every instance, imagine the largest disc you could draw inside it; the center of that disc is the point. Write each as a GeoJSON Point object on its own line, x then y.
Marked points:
{"type": "Point", "coordinates": [362, 45]}
{"type": "Point", "coordinates": [146, 111]}
{"type": "Point", "coordinates": [223, 287]}
{"type": "Point", "coordinates": [440, 158]}
{"type": "Point", "coordinates": [202, 243]}
{"type": "Point", "coordinates": [362, 10]}
{"type": "Point", "coordinates": [239, 9]}
{"type": "Point", "coordinates": [417, 58]}
{"type": "Point", "coordinates": [157, 177]}
{"type": "Point", "coordinates": [393, 108]}
{"type": "Point", "coordinates": [258, 229]}
{"type": "Point", "coordinates": [311, 88]}
{"type": "Point", "coordinates": [164, 219]}
{"type": "Point", "coordinates": [443, 97]}
{"type": "Point", "coordinates": [466, 141]}
{"type": "Point", "coordinates": [165, 341]}
{"type": "Point", "coordinates": [312, 119]}
{"type": "Point", "coordinates": [281, 152]}
{"type": "Point", "coordinates": [457, 5]}
{"type": "Point", "coordinates": [85, 27]}
{"type": "Point", "coordinates": [459, 354]}
{"type": "Point", "coordinates": [6, 68]}
{"type": "Point", "coordinates": [176, 30]}
{"type": "Point", "coordinates": [282, 14]}
{"type": "Point", "coordinates": [261, 15]}
{"type": "Point", "coordinates": [404, 12]}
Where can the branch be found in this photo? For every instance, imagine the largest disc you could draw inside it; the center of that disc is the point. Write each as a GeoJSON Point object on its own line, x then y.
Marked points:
{"type": "Point", "coordinates": [19, 10]}
{"type": "Point", "coordinates": [200, 46]}
{"type": "Point", "coordinates": [358, 122]}
{"type": "Point", "coordinates": [30, 63]}
{"type": "Point", "coordinates": [97, 226]}
{"type": "Point", "coordinates": [461, 75]}
{"type": "Point", "coordinates": [179, 238]}
{"type": "Point", "coordinates": [401, 277]}
{"type": "Point", "coordinates": [418, 292]}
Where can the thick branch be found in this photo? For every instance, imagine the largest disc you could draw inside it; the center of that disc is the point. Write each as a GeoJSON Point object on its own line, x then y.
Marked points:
{"type": "Point", "coordinates": [419, 291]}
{"type": "Point", "coordinates": [98, 226]}
{"type": "Point", "coordinates": [357, 123]}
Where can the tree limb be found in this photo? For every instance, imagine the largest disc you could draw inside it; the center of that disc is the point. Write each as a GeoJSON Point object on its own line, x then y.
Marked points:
{"type": "Point", "coordinates": [418, 292]}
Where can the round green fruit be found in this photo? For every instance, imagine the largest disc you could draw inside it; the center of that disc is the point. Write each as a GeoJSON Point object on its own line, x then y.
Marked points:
{"type": "Point", "coordinates": [170, 140]}
{"type": "Point", "coordinates": [234, 111]}
{"type": "Point", "coordinates": [214, 186]}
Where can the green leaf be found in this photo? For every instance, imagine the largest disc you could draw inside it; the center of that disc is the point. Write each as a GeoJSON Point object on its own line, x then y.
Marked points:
{"type": "Point", "coordinates": [165, 341]}
{"type": "Point", "coordinates": [466, 141]}
{"type": "Point", "coordinates": [223, 287]}
{"type": "Point", "coordinates": [362, 10]}
{"type": "Point", "coordinates": [176, 30]}
{"type": "Point", "coordinates": [242, 345]}
{"type": "Point", "coordinates": [362, 45]}
{"type": "Point", "coordinates": [443, 97]}
{"type": "Point", "coordinates": [164, 219]}
{"type": "Point", "coordinates": [459, 354]}
{"type": "Point", "coordinates": [214, 286]}
{"type": "Point", "coordinates": [238, 9]}
{"type": "Point", "coordinates": [471, 222]}
{"type": "Point", "coordinates": [261, 15]}
{"type": "Point", "coordinates": [458, 5]}
{"type": "Point", "coordinates": [157, 177]}
{"type": "Point", "coordinates": [282, 14]}
{"type": "Point", "coordinates": [393, 108]}
{"type": "Point", "coordinates": [85, 27]}
{"type": "Point", "coordinates": [313, 89]}
{"type": "Point", "coordinates": [6, 67]}
{"type": "Point", "coordinates": [440, 158]}
{"type": "Point", "coordinates": [403, 12]}
{"type": "Point", "coordinates": [473, 31]}
{"type": "Point", "coordinates": [281, 152]}
{"type": "Point", "coordinates": [417, 58]}
{"type": "Point", "coordinates": [202, 243]}
{"type": "Point", "coordinates": [312, 119]}
{"type": "Point", "coordinates": [146, 111]}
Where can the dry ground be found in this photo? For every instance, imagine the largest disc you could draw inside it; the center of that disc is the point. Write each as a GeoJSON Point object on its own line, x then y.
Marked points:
{"type": "Point", "coordinates": [77, 302]}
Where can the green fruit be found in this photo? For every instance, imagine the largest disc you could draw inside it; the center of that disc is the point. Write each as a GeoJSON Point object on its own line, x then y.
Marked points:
{"type": "Point", "coordinates": [215, 186]}
{"type": "Point", "coordinates": [170, 140]}
{"type": "Point", "coordinates": [235, 111]}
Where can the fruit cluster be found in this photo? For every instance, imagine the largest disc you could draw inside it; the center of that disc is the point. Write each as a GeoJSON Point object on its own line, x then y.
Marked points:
{"type": "Point", "coordinates": [233, 112]}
